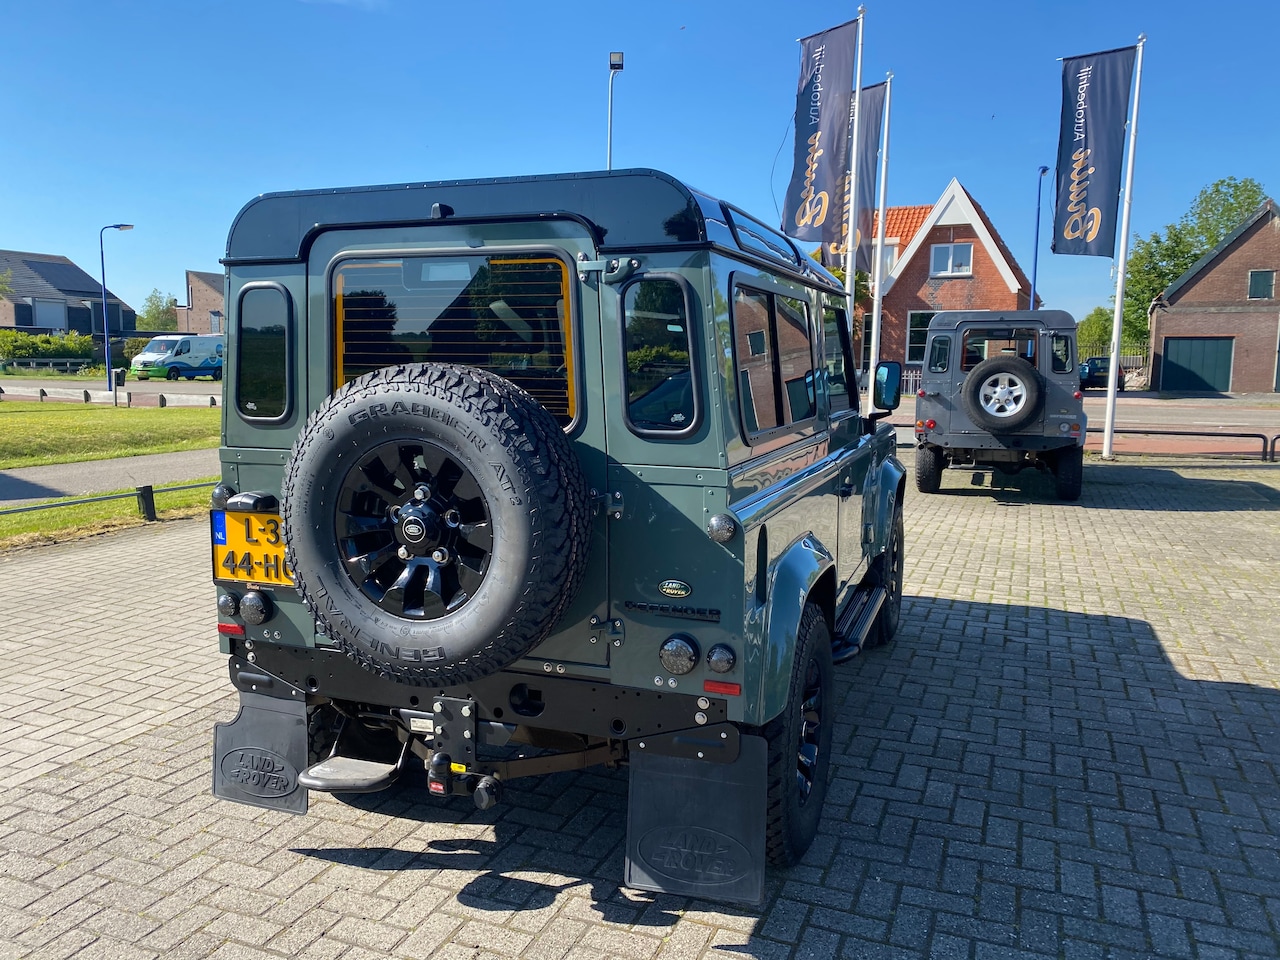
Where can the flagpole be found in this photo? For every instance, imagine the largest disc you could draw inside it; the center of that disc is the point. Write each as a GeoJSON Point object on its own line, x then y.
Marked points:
{"type": "Point", "coordinates": [1118, 316]}
{"type": "Point", "coordinates": [877, 250]}
{"type": "Point", "coordinates": [850, 254]}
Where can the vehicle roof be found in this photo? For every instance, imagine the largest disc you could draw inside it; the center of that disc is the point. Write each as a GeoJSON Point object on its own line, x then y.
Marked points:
{"type": "Point", "coordinates": [1050, 319]}
{"type": "Point", "coordinates": [625, 210]}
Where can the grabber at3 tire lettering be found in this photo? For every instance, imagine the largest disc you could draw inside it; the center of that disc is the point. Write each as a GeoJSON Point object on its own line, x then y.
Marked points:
{"type": "Point", "coordinates": [436, 520]}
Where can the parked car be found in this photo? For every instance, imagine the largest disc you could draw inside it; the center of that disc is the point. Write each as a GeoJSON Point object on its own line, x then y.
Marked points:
{"type": "Point", "coordinates": [997, 391]}
{"type": "Point", "coordinates": [1093, 373]}
{"type": "Point", "coordinates": [490, 482]}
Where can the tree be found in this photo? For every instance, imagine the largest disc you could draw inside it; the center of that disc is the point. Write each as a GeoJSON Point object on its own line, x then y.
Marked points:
{"type": "Point", "coordinates": [5, 287]}
{"type": "Point", "coordinates": [1095, 328]}
{"type": "Point", "coordinates": [1161, 258]}
{"type": "Point", "coordinates": [159, 312]}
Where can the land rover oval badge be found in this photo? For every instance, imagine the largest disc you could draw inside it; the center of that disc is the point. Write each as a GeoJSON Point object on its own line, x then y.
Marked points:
{"type": "Point", "coordinates": [676, 589]}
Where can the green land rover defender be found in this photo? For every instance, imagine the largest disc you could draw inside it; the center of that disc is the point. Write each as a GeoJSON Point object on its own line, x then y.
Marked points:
{"type": "Point", "coordinates": [531, 474]}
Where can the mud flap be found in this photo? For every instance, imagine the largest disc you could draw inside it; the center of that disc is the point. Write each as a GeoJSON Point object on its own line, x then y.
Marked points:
{"type": "Point", "coordinates": [257, 756]}
{"type": "Point", "coordinates": [697, 828]}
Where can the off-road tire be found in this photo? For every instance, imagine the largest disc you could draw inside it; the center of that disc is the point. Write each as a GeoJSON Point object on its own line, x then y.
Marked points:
{"type": "Point", "coordinates": [1068, 473]}
{"type": "Point", "coordinates": [930, 462]}
{"type": "Point", "coordinates": [887, 570]}
{"type": "Point", "coordinates": [344, 515]}
{"type": "Point", "coordinates": [1013, 374]}
{"type": "Point", "coordinates": [799, 744]}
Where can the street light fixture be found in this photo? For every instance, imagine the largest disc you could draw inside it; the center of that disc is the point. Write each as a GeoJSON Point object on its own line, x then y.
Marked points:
{"type": "Point", "coordinates": [615, 68]}
{"type": "Point", "coordinates": [106, 322]}
{"type": "Point", "coordinates": [1035, 249]}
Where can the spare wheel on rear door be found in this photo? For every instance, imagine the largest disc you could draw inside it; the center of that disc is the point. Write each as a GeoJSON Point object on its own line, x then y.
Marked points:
{"type": "Point", "coordinates": [1002, 394]}
{"type": "Point", "coordinates": [436, 521]}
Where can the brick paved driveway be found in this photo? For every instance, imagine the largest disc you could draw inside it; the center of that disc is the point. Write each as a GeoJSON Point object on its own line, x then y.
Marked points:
{"type": "Point", "coordinates": [1071, 751]}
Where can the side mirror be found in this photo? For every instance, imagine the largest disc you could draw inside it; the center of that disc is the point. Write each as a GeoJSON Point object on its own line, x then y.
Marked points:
{"type": "Point", "coordinates": [887, 392]}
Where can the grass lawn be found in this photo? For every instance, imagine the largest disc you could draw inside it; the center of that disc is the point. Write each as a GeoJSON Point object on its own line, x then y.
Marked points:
{"type": "Point", "coordinates": [33, 433]}
{"type": "Point", "coordinates": [34, 527]}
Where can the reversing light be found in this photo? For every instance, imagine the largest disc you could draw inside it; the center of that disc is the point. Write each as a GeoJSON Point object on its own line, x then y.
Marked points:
{"type": "Point", "coordinates": [229, 605]}
{"type": "Point", "coordinates": [722, 687]}
{"type": "Point", "coordinates": [721, 658]}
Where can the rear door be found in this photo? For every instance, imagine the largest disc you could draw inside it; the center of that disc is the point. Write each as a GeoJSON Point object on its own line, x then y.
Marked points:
{"type": "Point", "coordinates": [502, 297]}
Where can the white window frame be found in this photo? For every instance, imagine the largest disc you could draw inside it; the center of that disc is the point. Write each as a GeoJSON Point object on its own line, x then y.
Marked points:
{"type": "Point", "coordinates": [950, 248]}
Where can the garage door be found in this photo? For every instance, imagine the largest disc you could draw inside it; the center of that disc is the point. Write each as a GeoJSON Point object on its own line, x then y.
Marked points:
{"type": "Point", "coordinates": [1197, 363]}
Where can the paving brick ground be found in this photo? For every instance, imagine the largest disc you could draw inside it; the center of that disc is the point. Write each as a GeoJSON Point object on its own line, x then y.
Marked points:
{"type": "Point", "coordinates": [1071, 751]}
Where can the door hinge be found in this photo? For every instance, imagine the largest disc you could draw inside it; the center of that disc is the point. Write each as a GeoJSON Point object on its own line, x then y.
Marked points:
{"type": "Point", "coordinates": [612, 270]}
{"type": "Point", "coordinates": [611, 502]}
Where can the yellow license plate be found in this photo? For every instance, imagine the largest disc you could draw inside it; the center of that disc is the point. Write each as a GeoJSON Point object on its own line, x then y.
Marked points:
{"type": "Point", "coordinates": [249, 548]}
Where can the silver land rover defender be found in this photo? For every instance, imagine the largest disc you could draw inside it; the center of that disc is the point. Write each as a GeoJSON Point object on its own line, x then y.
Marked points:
{"type": "Point", "coordinates": [525, 475]}
{"type": "Point", "coordinates": [1001, 390]}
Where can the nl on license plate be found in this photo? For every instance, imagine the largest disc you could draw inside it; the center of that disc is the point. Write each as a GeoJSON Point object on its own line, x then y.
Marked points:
{"type": "Point", "coordinates": [249, 547]}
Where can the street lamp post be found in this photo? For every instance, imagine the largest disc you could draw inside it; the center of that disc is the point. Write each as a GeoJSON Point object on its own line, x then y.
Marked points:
{"type": "Point", "coordinates": [615, 68]}
{"type": "Point", "coordinates": [106, 322]}
{"type": "Point", "coordinates": [1035, 249]}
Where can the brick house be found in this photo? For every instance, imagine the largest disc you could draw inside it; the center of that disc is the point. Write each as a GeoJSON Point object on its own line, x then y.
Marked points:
{"type": "Point", "coordinates": [50, 294]}
{"type": "Point", "coordinates": [1217, 327]}
{"type": "Point", "coordinates": [203, 310]}
{"type": "Point", "coordinates": [945, 257]}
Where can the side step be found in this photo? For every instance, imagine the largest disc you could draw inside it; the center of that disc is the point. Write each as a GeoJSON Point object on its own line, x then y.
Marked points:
{"type": "Point", "coordinates": [337, 774]}
{"type": "Point", "coordinates": [855, 624]}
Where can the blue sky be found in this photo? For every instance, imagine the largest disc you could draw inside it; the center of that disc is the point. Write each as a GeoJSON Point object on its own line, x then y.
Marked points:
{"type": "Point", "coordinates": [171, 115]}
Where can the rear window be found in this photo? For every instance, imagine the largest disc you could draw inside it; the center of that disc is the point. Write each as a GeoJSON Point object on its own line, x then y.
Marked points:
{"type": "Point", "coordinates": [503, 313]}
{"type": "Point", "coordinates": [979, 345]}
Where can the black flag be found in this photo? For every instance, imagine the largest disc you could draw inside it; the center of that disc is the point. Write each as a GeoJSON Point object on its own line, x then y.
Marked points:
{"type": "Point", "coordinates": [871, 103]}
{"type": "Point", "coordinates": [1095, 106]}
{"type": "Point", "coordinates": [811, 211]}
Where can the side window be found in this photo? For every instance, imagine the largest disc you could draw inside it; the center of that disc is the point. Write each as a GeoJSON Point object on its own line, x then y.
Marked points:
{"type": "Point", "coordinates": [939, 354]}
{"type": "Point", "coordinates": [262, 353]}
{"type": "Point", "coordinates": [841, 394]}
{"type": "Point", "coordinates": [183, 348]}
{"type": "Point", "coordinates": [1061, 350]}
{"type": "Point", "coordinates": [755, 367]}
{"type": "Point", "coordinates": [777, 383]}
{"type": "Point", "coordinates": [795, 359]}
{"type": "Point", "coordinates": [659, 366]}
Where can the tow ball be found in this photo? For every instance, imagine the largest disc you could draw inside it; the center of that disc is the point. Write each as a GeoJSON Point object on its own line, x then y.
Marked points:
{"type": "Point", "coordinates": [485, 791]}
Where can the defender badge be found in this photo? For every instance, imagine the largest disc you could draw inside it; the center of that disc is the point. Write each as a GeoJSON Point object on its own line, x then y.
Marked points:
{"type": "Point", "coordinates": [677, 589]}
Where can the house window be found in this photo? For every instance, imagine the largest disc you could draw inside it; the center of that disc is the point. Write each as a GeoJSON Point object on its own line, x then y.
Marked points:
{"type": "Point", "coordinates": [51, 314]}
{"type": "Point", "coordinates": [1262, 284]}
{"type": "Point", "coordinates": [917, 334]}
{"type": "Point", "coordinates": [866, 339]}
{"type": "Point", "coordinates": [215, 321]}
{"type": "Point", "coordinates": [951, 260]}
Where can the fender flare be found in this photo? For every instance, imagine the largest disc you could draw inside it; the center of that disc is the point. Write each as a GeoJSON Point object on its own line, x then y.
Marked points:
{"type": "Point", "coordinates": [892, 483]}
{"type": "Point", "coordinates": [791, 579]}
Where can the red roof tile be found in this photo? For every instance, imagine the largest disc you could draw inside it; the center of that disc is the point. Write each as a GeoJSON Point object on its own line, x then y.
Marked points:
{"type": "Point", "coordinates": [902, 223]}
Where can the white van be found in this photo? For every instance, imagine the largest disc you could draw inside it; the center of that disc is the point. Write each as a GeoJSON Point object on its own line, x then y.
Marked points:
{"type": "Point", "coordinates": [183, 356]}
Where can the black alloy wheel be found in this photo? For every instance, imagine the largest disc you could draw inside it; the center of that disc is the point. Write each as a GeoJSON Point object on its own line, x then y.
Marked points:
{"type": "Point", "coordinates": [413, 530]}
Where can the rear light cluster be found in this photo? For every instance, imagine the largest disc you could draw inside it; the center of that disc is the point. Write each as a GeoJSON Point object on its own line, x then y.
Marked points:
{"type": "Point", "coordinates": [680, 655]}
{"type": "Point", "coordinates": [923, 425]}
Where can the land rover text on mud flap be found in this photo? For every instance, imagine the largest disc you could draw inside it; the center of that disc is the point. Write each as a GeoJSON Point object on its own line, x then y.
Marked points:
{"type": "Point", "coordinates": [1001, 390]}
{"type": "Point", "coordinates": [570, 463]}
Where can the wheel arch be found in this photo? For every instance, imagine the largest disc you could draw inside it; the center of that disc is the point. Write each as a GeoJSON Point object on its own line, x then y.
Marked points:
{"type": "Point", "coordinates": [804, 572]}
